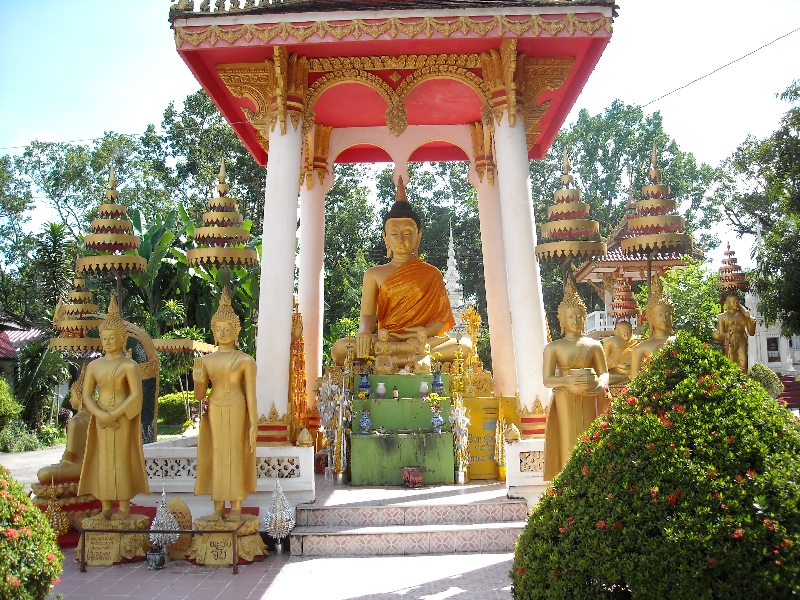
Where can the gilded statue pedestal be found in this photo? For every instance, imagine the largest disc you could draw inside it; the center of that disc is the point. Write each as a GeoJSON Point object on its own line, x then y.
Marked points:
{"type": "Point", "coordinates": [216, 549]}
{"type": "Point", "coordinates": [110, 548]}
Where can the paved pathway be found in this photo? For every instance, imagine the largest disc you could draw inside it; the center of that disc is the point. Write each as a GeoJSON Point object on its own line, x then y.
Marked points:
{"type": "Point", "coordinates": [24, 465]}
{"type": "Point", "coordinates": [278, 577]}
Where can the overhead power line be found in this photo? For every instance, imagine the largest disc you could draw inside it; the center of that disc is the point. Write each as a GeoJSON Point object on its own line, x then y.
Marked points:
{"type": "Point", "coordinates": [722, 67]}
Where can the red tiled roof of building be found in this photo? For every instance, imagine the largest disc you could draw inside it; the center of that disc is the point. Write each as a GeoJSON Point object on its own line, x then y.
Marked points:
{"type": "Point", "coordinates": [7, 350]}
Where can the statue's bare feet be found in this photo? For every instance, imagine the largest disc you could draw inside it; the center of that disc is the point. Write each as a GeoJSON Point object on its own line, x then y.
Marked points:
{"type": "Point", "coordinates": [234, 516]}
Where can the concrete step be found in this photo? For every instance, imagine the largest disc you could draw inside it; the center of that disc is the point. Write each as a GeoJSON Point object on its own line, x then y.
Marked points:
{"type": "Point", "coordinates": [405, 540]}
{"type": "Point", "coordinates": [425, 514]}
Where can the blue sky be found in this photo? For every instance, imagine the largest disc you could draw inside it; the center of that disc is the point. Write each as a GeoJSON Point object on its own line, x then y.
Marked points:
{"type": "Point", "coordinates": [73, 70]}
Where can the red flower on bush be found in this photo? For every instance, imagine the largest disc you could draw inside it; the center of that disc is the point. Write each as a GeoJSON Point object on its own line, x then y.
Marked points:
{"type": "Point", "coordinates": [712, 473]}
{"type": "Point", "coordinates": [649, 445]}
{"type": "Point", "coordinates": [51, 557]}
{"type": "Point", "coordinates": [739, 478]}
{"type": "Point", "coordinates": [11, 533]}
{"type": "Point", "coordinates": [737, 535]}
{"type": "Point", "coordinates": [596, 436]}
{"type": "Point", "coordinates": [731, 439]}
{"type": "Point", "coordinates": [562, 530]}
{"type": "Point", "coordinates": [610, 445]}
{"type": "Point", "coordinates": [604, 425]}
{"type": "Point", "coordinates": [617, 525]}
{"type": "Point", "coordinates": [679, 408]}
{"type": "Point", "coordinates": [631, 400]}
{"type": "Point", "coordinates": [751, 473]}
{"type": "Point", "coordinates": [601, 525]}
{"type": "Point", "coordinates": [520, 571]}
{"type": "Point", "coordinates": [571, 521]}
{"type": "Point", "coordinates": [12, 581]}
{"type": "Point", "coordinates": [585, 470]}
{"type": "Point", "coordinates": [769, 524]}
{"type": "Point", "coordinates": [712, 561]}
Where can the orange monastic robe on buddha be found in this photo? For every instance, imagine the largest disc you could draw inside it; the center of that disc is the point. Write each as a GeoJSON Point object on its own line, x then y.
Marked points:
{"type": "Point", "coordinates": [413, 296]}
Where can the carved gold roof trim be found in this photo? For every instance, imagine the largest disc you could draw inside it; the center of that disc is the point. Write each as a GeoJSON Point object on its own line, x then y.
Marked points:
{"type": "Point", "coordinates": [482, 151]}
{"type": "Point", "coordinates": [391, 63]}
{"type": "Point", "coordinates": [410, 28]}
{"type": "Point", "coordinates": [541, 74]}
{"type": "Point", "coordinates": [256, 82]}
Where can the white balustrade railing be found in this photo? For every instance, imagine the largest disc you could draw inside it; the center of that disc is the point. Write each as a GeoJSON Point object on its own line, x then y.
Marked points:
{"type": "Point", "coordinates": [599, 321]}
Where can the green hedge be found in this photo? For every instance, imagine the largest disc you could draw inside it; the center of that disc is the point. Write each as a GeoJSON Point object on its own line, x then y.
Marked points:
{"type": "Point", "coordinates": [767, 378]}
{"type": "Point", "coordinates": [689, 488]}
{"type": "Point", "coordinates": [31, 558]}
{"type": "Point", "coordinates": [171, 409]}
{"type": "Point", "coordinates": [10, 409]}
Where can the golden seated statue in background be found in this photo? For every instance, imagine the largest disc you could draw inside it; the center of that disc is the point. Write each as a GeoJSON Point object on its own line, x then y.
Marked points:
{"type": "Point", "coordinates": [659, 313]}
{"type": "Point", "coordinates": [406, 296]}
{"type": "Point", "coordinates": [226, 444]}
{"type": "Point", "coordinates": [580, 388]}
{"type": "Point", "coordinates": [113, 465]}
{"type": "Point", "coordinates": [618, 350]}
{"type": "Point", "coordinates": [68, 469]}
{"type": "Point", "coordinates": [733, 328]}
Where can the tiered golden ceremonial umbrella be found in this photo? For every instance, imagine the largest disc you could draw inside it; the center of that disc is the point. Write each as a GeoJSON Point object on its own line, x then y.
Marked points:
{"type": "Point", "coordinates": [654, 228]}
{"type": "Point", "coordinates": [731, 278]}
{"type": "Point", "coordinates": [623, 304]}
{"type": "Point", "coordinates": [111, 234]}
{"type": "Point", "coordinates": [569, 232]}
{"type": "Point", "coordinates": [221, 239]}
{"type": "Point", "coordinates": [70, 319]}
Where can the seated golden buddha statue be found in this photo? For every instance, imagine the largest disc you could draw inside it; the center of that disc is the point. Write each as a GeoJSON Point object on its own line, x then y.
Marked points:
{"type": "Point", "coordinates": [580, 387]}
{"type": "Point", "coordinates": [113, 465]}
{"type": "Point", "coordinates": [406, 296]}
{"type": "Point", "coordinates": [68, 469]}
{"type": "Point", "coordinates": [659, 313]}
{"type": "Point", "coordinates": [618, 350]}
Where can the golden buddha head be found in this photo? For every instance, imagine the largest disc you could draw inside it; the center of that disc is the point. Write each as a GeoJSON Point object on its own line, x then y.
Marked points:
{"type": "Point", "coordinates": [732, 301]}
{"type": "Point", "coordinates": [659, 310]}
{"type": "Point", "coordinates": [623, 330]}
{"type": "Point", "coordinates": [113, 331]}
{"type": "Point", "coordinates": [572, 310]}
{"type": "Point", "coordinates": [225, 323]}
{"type": "Point", "coordinates": [401, 226]}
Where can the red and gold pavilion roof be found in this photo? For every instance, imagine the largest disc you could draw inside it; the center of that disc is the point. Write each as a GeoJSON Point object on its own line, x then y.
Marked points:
{"type": "Point", "coordinates": [393, 63]}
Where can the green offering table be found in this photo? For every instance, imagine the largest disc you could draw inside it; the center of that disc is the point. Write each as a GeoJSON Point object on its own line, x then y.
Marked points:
{"type": "Point", "coordinates": [406, 413]}
{"type": "Point", "coordinates": [376, 459]}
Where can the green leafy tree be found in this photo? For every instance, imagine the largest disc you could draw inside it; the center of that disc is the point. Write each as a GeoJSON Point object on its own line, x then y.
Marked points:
{"type": "Point", "coordinates": [39, 371]}
{"type": "Point", "coordinates": [694, 295]}
{"type": "Point", "coordinates": [53, 268]}
{"type": "Point", "coordinates": [759, 188]}
{"type": "Point", "coordinates": [601, 148]}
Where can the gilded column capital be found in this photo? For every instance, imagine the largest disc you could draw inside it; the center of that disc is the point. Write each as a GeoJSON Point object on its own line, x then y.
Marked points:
{"type": "Point", "coordinates": [482, 151]}
{"type": "Point", "coordinates": [316, 145]}
{"type": "Point", "coordinates": [291, 85]}
{"type": "Point", "coordinates": [499, 68]}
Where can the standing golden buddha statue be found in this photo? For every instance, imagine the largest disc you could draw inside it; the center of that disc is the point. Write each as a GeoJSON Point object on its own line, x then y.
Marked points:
{"type": "Point", "coordinates": [580, 387]}
{"type": "Point", "coordinates": [113, 465]}
{"type": "Point", "coordinates": [226, 444]}
{"type": "Point", "coordinates": [733, 328]}
{"type": "Point", "coordinates": [659, 313]}
{"type": "Point", "coordinates": [406, 296]}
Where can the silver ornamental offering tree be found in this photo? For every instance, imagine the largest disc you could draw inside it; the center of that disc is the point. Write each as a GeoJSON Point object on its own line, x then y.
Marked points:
{"type": "Point", "coordinates": [164, 519]}
{"type": "Point", "coordinates": [278, 522]}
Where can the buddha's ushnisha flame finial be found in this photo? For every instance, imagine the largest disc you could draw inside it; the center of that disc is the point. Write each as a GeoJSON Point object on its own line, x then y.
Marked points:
{"type": "Point", "coordinates": [654, 173]}
{"type": "Point", "coordinates": [222, 186]}
{"type": "Point", "coordinates": [400, 195]}
{"type": "Point", "coordinates": [566, 178]}
{"type": "Point", "coordinates": [111, 193]}
{"type": "Point", "coordinates": [225, 312]}
{"type": "Point", "coordinates": [113, 320]}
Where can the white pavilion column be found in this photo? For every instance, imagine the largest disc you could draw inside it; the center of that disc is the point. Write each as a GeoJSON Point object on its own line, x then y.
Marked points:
{"type": "Point", "coordinates": [273, 344]}
{"type": "Point", "coordinates": [494, 273]}
{"type": "Point", "coordinates": [528, 327]}
{"type": "Point", "coordinates": [311, 277]}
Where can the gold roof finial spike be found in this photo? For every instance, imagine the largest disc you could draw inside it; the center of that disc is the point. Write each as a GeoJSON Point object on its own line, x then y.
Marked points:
{"type": "Point", "coordinates": [400, 195]}
{"type": "Point", "coordinates": [654, 173]}
{"type": "Point", "coordinates": [111, 193]}
{"type": "Point", "coordinates": [222, 186]}
{"type": "Point", "coordinates": [566, 178]}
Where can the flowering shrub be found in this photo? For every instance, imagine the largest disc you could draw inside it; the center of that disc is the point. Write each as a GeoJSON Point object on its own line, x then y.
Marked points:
{"type": "Point", "coordinates": [31, 559]}
{"type": "Point", "coordinates": [689, 487]}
